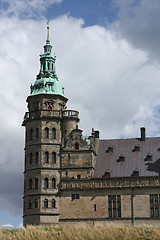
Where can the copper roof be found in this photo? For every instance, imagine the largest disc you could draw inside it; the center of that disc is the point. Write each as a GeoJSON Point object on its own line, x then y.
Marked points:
{"type": "Point", "coordinates": [128, 155]}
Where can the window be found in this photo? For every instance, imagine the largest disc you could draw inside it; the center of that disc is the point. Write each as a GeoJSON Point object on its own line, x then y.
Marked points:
{"type": "Point", "coordinates": [107, 174]}
{"type": "Point", "coordinates": [31, 134]}
{"type": "Point", "coordinates": [30, 183]}
{"type": "Point", "coordinates": [37, 133]}
{"type": "Point", "coordinates": [78, 177]}
{"type": "Point", "coordinates": [76, 145]}
{"type": "Point", "coordinates": [53, 183]}
{"type": "Point", "coordinates": [46, 182]}
{"type": "Point", "coordinates": [114, 206]}
{"type": "Point", "coordinates": [48, 66]}
{"type": "Point", "coordinates": [53, 203]}
{"type": "Point", "coordinates": [46, 132]}
{"type": "Point", "coordinates": [53, 157]}
{"type": "Point", "coordinates": [154, 205]}
{"type": "Point", "coordinates": [69, 157]}
{"type": "Point", "coordinates": [36, 203]}
{"type": "Point", "coordinates": [45, 203]}
{"type": "Point", "coordinates": [46, 157]}
{"type": "Point", "coordinates": [36, 183]}
{"type": "Point", "coordinates": [136, 148]}
{"type": "Point", "coordinates": [29, 204]}
{"type": "Point", "coordinates": [109, 149]}
{"type": "Point", "coordinates": [75, 196]}
{"type": "Point", "coordinates": [37, 157]}
{"type": "Point", "coordinates": [53, 133]}
{"type": "Point", "coordinates": [148, 157]}
{"type": "Point", "coordinates": [135, 173]}
{"type": "Point", "coordinates": [121, 158]}
{"type": "Point", "coordinates": [30, 158]}
{"type": "Point", "coordinates": [95, 207]}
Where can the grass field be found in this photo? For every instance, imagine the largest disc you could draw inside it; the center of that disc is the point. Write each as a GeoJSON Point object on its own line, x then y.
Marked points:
{"type": "Point", "coordinates": [83, 232]}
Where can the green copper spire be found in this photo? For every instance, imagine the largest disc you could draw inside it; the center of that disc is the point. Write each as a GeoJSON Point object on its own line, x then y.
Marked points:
{"type": "Point", "coordinates": [47, 81]}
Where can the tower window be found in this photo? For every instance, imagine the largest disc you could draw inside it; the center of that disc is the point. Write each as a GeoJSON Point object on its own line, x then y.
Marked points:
{"type": "Point", "coordinates": [36, 183]}
{"type": "Point", "coordinates": [30, 183]}
{"type": "Point", "coordinates": [30, 158]}
{"type": "Point", "coordinates": [46, 132]}
{"type": "Point", "coordinates": [48, 66]}
{"type": "Point", "coordinates": [53, 157]}
{"type": "Point", "coordinates": [121, 158]}
{"type": "Point", "coordinates": [78, 177]}
{"type": "Point", "coordinates": [53, 204]}
{"type": "Point", "coordinates": [29, 204]}
{"type": "Point", "coordinates": [46, 160]}
{"type": "Point", "coordinates": [136, 148]}
{"type": "Point", "coordinates": [37, 157]}
{"type": "Point", "coordinates": [148, 157]}
{"type": "Point", "coordinates": [53, 133]}
{"type": "Point", "coordinates": [53, 183]}
{"type": "Point", "coordinates": [37, 133]}
{"type": "Point", "coordinates": [31, 134]}
{"type": "Point", "coordinates": [36, 203]}
{"type": "Point", "coordinates": [95, 207]}
{"type": "Point", "coordinates": [75, 196]}
{"type": "Point", "coordinates": [76, 145]}
{"type": "Point", "coordinates": [46, 183]}
{"type": "Point", "coordinates": [45, 203]}
{"type": "Point", "coordinates": [135, 173]}
{"type": "Point", "coordinates": [107, 174]}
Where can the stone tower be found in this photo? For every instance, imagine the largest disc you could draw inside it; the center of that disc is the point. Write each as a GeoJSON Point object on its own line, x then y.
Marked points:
{"type": "Point", "coordinates": [54, 146]}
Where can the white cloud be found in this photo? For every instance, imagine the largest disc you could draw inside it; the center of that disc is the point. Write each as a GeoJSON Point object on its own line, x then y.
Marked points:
{"type": "Point", "coordinates": [8, 226]}
{"type": "Point", "coordinates": [29, 8]}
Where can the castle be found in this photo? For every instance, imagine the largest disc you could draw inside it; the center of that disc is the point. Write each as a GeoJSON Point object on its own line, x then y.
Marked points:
{"type": "Point", "coordinates": [70, 178]}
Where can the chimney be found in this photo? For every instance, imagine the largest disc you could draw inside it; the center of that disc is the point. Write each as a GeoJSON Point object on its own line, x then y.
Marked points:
{"type": "Point", "coordinates": [143, 133]}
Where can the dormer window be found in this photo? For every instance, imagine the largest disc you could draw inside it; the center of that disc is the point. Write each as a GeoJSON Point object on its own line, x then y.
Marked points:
{"type": "Point", "coordinates": [135, 173]}
{"type": "Point", "coordinates": [136, 148]}
{"type": "Point", "coordinates": [148, 157]}
{"type": "Point", "coordinates": [121, 158]}
{"type": "Point", "coordinates": [107, 174]}
{"type": "Point", "coordinates": [109, 149]}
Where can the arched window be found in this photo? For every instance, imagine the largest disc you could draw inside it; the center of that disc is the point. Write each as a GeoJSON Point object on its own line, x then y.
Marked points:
{"type": "Point", "coordinates": [45, 203]}
{"type": "Point", "coordinates": [29, 204]}
{"type": "Point", "coordinates": [46, 157]}
{"type": "Point", "coordinates": [30, 158]}
{"type": "Point", "coordinates": [36, 183]}
{"type": "Point", "coordinates": [53, 183]}
{"type": "Point", "coordinates": [53, 204]}
{"type": "Point", "coordinates": [53, 157]}
{"type": "Point", "coordinates": [36, 203]}
{"type": "Point", "coordinates": [46, 182]}
{"type": "Point", "coordinates": [53, 133]}
{"type": "Point", "coordinates": [46, 132]}
{"type": "Point", "coordinates": [37, 133]}
{"type": "Point", "coordinates": [31, 134]}
{"type": "Point", "coordinates": [76, 145]}
{"type": "Point", "coordinates": [37, 157]}
{"type": "Point", "coordinates": [30, 183]}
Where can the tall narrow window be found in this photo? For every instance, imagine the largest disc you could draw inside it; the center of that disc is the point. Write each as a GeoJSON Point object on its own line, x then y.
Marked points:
{"type": "Point", "coordinates": [37, 157]}
{"type": "Point", "coordinates": [46, 182]}
{"type": "Point", "coordinates": [30, 183]}
{"type": "Point", "coordinates": [114, 206]}
{"type": "Point", "coordinates": [37, 133]}
{"type": "Point", "coordinates": [36, 183]}
{"type": "Point", "coordinates": [154, 205]}
{"type": "Point", "coordinates": [46, 132]}
{"type": "Point", "coordinates": [76, 145]}
{"type": "Point", "coordinates": [29, 204]}
{"type": "Point", "coordinates": [36, 203]}
{"type": "Point", "coordinates": [48, 66]}
{"type": "Point", "coordinates": [31, 134]}
{"type": "Point", "coordinates": [53, 133]}
{"type": "Point", "coordinates": [46, 157]}
{"type": "Point", "coordinates": [45, 203]}
{"type": "Point", "coordinates": [53, 157]}
{"type": "Point", "coordinates": [30, 158]}
{"type": "Point", "coordinates": [53, 203]}
{"type": "Point", "coordinates": [53, 183]}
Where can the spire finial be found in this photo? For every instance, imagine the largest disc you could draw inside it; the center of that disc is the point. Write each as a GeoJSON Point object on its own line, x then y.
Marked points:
{"type": "Point", "coordinates": [48, 30]}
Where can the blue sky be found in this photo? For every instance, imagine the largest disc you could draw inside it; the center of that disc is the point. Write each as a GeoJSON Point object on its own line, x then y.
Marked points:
{"type": "Point", "coordinates": [108, 60]}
